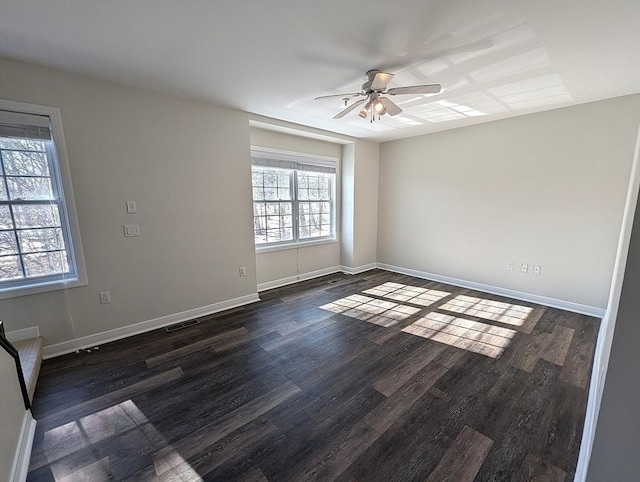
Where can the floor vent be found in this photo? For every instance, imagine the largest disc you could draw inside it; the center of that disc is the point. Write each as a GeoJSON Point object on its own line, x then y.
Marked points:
{"type": "Point", "coordinates": [180, 326]}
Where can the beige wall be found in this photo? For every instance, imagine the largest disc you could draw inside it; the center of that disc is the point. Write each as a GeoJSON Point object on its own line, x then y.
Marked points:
{"type": "Point", "coordinates": [185, 163]}
{"type": "Point", "coordinates": [12, 414]}
{"type": "Point", "coordinates": [359, 204]}
{"type": "Point", "coordinates": [366, 171]}
{"type": "Point", "coordinates": [546, 189]}
{"type": "Point", "coordinates": [293, 143]}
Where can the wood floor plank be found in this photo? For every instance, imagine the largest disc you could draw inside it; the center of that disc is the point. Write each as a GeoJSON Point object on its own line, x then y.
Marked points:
{"type": "Point", "coordinates": [187, 447]}
{"type": "Point", "coordinates": [397, 377]}
{"type": "Point", "coordinates": [577, 366]}
{"type": "Point", "coordinates": [293, 336]}
{"type": "Point", "coordinates": [385, 414]}
{"type": "Point", "coordinates": [193, 347]}
{"type": "Point", "coordinates": [526, 356]}
{"type": "Point", "coordinates": [560, 340]}
{"type": "Point", "coordinates": [535, 469]}
{"type": "Point", "coordinates": [225, 449]}
{"type": "Point", "coordinates": [465, 457]}
{"type": "Point", "coordinates": [99, 403]}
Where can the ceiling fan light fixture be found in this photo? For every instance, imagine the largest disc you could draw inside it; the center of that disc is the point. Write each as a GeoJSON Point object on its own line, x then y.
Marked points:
{"type": "Point", "coordinates": [379, 107]}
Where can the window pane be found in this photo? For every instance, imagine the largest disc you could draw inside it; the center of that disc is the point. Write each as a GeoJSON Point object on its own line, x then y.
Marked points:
{"type": "Point", "coordinates": [20, 163]}
{"type": "Point", "coordinates": [30, 188]}
{"type": "Point", "coordinates": [273, 208]}
{"type": "Point", "coordinates": [37, 240]}
{"type": "Point", "coordinates": [23, 144]}
{"type": "Point", "coordinates": [285, 208]}
{"type": "Point", "coordinates": [36, 216]}
{"type": "Point", "coordinates": [284, 180]}
{"type": "Point", "coordinates": [10, 268]}
{"type": "Point", "coordinates": [303, 194]}
{"type": "Point", "coordinates": [5, 218]}
{"type": "Point", "coordinates": [8, 243]}
{"type": "Point", "coordinates": [258, 194]}
{"type": "Point", "coordinates": [271, 193]}
{"type": "Point", "coordinates": [43, 264]}
{"type": "Point", "coordinates": [259, 209]}
{"type": "Point", "coordinates": [284, 194]}
{"type": "Point", "coordinates": [3, 190]}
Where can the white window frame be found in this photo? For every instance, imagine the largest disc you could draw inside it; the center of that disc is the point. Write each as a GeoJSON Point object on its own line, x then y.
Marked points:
{"type": "Point", "coordinates": [291, 158]}
{"type": "Point", "coordinates": [69, 215]}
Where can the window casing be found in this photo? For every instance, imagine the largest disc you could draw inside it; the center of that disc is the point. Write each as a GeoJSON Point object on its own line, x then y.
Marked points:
{"type": "Point", "coordinates": [39, 239]}
{"type": "Point", "coordinates": [293, 199]}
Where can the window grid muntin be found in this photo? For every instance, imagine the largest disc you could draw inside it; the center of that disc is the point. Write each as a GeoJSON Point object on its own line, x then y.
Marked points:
{"type": "Point", "coordinates": [56, 202]}
{"type": "Point", "coordinates": [295, 204]}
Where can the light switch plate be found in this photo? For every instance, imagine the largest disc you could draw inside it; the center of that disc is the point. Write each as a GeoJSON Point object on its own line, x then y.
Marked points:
{"type": "Point", "coordinates": [131, 207]}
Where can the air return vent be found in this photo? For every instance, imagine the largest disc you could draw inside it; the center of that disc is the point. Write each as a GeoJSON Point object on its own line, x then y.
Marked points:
{"type": "Point", "coordinates": [180, 326]}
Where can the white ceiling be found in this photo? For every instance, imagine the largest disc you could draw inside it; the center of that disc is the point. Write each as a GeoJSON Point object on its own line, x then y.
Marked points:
{"type": "Point", "coordinates": [272, 57]}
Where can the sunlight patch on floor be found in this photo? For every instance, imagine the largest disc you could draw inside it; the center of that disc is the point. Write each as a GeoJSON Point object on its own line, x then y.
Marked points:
{"type": "Point", "coordinates": [371, 310]}
{"type": "Point", "coordinates": [61, 443]}
{"type": "Point", "coordinates": [506, 313]}
{"type": "Point", "coordinates": [469, 335]}
{"type": "Point", "coordinates": [406, 293]}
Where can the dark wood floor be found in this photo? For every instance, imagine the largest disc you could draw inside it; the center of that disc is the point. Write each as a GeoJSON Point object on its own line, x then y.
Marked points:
{"type": "Point", "coordinates": [373, 377]}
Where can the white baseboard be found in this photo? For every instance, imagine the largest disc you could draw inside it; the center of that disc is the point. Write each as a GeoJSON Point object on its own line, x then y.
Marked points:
{"type": "Point", "coordinates": [269, 285]}
{"type": "Point", "coordinates": [24, 334]}
{"type": "Point", "coordinates": [144, 326]}
{"type": "Point", "coordinates": [518, 295]}
{"type": "Point", "coordinates": [23, 450]}
{"type": "Point", "coordinates": [358, 269]}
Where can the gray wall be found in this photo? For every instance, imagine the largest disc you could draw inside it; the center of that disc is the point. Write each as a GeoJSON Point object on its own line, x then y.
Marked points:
{"type": "Point", "coordinates": [616, 449]}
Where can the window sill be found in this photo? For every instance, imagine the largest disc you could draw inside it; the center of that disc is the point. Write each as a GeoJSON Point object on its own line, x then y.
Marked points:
{"type": "Point", "coordinates": [41, 288]}
{"type": "Point", "coordinates": [303, 244]}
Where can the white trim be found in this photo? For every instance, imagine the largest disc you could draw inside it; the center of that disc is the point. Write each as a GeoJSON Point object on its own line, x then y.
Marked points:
{"type": "Point", "coordinates": [144, 326]}
{"type": "Point", "coordinates": [607, 327]}
{"type": "Point", "coordinates": [22, 456]}
{"type": "Point", "coordinates": [269, 285]}
{"type": "Point", "coordinates": [23, 334]}
{"type": "Point", "coordinates": [358, 269]}
{"type": "Point", "coordinates": [300, 244]}
{"type": "Point", "coordinates": [518, 295]}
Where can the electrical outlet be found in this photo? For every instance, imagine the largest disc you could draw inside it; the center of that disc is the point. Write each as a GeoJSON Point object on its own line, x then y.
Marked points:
{"type": "Point", "coordinates": [242, 271]}
{"type": "Point", "coordinates": [537, 269]}
{"type": "Point", "coordinates": [131, 230]}
{"type": "Point", "coordinates": [105, 297]}
{"type": "Point", "coordinates": [524, 268]}
{"type": "Point", "coordinates": [509, 265]}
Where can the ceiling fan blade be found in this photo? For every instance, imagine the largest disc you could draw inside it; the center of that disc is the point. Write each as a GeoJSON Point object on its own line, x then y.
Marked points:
{"type": "Point", "coordinates": [416, 89]}
{"type": "Point", "coordinates": [340, 115]}
{"type": "Point", "coordinates": [350, 94]}
{"type": "Point", "coordinates": [392, 109]}
{"type": "Point", "coordinates": [381, 80]}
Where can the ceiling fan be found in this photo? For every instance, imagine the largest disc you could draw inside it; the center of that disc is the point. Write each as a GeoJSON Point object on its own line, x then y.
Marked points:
{"type": "Point", "coordinates": [374, 91]}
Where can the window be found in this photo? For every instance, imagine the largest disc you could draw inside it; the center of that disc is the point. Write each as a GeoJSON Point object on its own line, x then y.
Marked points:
{"type": "Point", "coordinates": [293, 198]}
{"type": "Point", "coordinates": [39, 240]}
